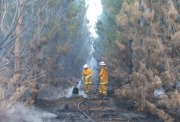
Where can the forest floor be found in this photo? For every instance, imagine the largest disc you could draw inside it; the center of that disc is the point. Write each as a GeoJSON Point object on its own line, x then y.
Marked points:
{"type": "Point", "coordinates": [99, 110]}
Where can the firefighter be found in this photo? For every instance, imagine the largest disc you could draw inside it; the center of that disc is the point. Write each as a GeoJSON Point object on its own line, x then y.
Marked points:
{"type": "Point", "coordinates": [103, 76]}
{"type": "Point", "coordinates": [87, 77]}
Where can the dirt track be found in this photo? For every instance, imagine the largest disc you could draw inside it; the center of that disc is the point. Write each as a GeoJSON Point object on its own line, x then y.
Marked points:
{"type": "Point", "coordinates": [108, 110]}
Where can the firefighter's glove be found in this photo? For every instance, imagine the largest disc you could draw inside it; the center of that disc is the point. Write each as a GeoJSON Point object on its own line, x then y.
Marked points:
{"type": "Point", "coordinates": [100, 78]}
{"type": "Point", "coordinates": [87, 76]}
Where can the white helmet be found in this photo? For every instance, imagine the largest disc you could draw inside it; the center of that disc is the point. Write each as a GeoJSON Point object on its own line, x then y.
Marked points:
{"type": "Point", "coordinates": [85, 66]}
{"type": "Point", "coordinates": [102, 63]}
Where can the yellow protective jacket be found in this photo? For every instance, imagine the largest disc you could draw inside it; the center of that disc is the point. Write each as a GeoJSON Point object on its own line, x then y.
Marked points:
{"type": "Point", "coordinates": [87, 74]}
{"type": "Point", "coordinates": [103, 75]}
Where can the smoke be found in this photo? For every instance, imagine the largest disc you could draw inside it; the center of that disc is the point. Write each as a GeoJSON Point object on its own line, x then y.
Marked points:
{"type": "Point", "coordinates": [21, 113]}
{"type": "Point", "coordinates": [94, 10]}
{"type": "Point", "coordinates": [54, 93]}
{"type": "Point", "coordinates": [50, 93]}
{"type": "Point", "coordinates": [69, 93]}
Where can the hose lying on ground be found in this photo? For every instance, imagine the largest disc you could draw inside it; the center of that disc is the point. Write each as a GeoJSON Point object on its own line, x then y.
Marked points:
{"type": "Point", "coordinates": [87, 116]}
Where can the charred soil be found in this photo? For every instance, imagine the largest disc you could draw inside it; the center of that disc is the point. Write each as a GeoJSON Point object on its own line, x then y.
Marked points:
{"type": "Point", "coordinates": [109, 109]}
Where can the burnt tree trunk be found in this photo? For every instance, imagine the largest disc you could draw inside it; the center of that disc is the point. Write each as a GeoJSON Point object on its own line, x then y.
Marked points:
{"type": "Point", "coordinates": [16, 77]}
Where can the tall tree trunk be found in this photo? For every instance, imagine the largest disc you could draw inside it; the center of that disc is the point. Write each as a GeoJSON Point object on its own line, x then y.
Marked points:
{"type": "Point", "coordinates": [16, 78]}
{"type": "Point", "coordinates": [36, 60]}
{"type": "Point", "coordinates": [0, 9]}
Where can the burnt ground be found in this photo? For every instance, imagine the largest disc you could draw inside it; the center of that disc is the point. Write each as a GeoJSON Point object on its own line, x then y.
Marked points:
{"type": "Point", "coordinates": [100, 110]}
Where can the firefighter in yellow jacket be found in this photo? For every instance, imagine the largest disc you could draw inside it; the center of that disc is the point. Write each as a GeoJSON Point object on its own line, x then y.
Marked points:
{"type": "Point", "coordinates": [87, 77]}
{"type": "Point", "coordinates": [103, 76]}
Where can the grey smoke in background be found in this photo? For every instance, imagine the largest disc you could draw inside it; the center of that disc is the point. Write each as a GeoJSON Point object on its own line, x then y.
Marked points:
{"type": "Point", "coordinates": [54, 93]}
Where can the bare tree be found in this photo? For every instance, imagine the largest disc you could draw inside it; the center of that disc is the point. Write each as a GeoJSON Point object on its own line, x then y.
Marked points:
{"type": "Point", "coordinates": [16, 78]}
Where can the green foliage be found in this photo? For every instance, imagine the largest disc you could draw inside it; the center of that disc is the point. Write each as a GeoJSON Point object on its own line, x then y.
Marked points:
{"type": "Point", "coordinates": [107, 26]}
{"type": "Point", "coordinates": [54, 4]}
{"type": "Point", "coordinates": [73, 15]}
{"type": "Point", "coordinates": [55, 22]}
{"type": "Point", "coordinates": [68, 22]}
{"type": "Point", "coordinates": [71, 29]}
{"type": "Point", "coordinates": [73, 10]}
{"type": "Point", "coordinates": [130, 1]}
{"type": "Point", "coordinates": [112, 5]}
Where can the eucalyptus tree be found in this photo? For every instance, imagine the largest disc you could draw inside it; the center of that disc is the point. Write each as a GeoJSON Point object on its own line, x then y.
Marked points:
{"type": "Point", "coordinates": [145, 33]}
{"type": "Point", "coordinates": [18, 42]}
{"type": "Point", "coordinates": [18, 24]}
{"type": "Point", "coordinates": [38, 38]}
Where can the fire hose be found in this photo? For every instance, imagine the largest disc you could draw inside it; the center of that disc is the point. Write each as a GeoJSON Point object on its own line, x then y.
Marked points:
{"type": "Point", "coordinates": [84, 101]}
